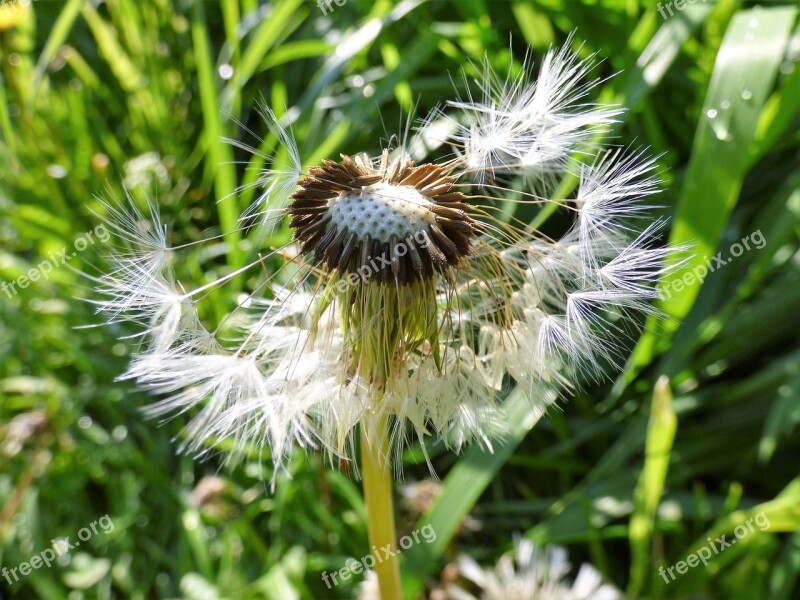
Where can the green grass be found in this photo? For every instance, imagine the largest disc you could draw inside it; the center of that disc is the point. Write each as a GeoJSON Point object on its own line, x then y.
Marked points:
{"type": "Point", "coordinates": [628, 475]}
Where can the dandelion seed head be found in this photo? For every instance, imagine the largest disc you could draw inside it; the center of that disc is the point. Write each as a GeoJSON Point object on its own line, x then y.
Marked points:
{"type": "Point", "coordinates": [382, 211]}
{"type": "Point", "coordinates": [409, 295]}
{"type": "Point", "coordinates": [529, 573]}
{"type": "Point", "coordinates": [390, 221]}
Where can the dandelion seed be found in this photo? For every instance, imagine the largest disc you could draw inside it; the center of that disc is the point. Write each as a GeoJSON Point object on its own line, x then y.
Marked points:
{"type": "Point", "coordinates": [533, 127]}
{"type": "Point", "coordinates": [278, 178]}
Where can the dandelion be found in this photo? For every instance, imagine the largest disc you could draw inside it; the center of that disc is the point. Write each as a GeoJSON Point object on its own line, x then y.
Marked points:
{"type": "Point", "coordinates": [530, 573]}
{"type": "Point", "coordinates": [145, 170]}
{"type": "Point", "coordinates": [409, 297]}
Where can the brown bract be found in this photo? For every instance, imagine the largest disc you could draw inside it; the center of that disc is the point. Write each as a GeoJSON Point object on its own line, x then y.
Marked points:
{"type": "Point", "coordinates": [437, 230]}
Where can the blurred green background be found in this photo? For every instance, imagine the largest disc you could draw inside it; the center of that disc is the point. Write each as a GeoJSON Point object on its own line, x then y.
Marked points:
{"type": "Point", "coordinates": [628, 475]}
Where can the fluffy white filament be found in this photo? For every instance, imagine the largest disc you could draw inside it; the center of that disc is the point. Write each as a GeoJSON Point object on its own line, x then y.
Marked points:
{"type": "Point", "coordinates": [533, 126]}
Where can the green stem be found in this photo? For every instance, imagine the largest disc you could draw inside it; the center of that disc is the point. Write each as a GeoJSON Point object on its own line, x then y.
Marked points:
{"type": "Point", "coordinates": [377, 480]}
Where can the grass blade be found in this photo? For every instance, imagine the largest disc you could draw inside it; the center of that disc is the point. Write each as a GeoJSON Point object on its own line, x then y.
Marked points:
{"type": "Point", "coordinates": [660, 435]}
{"type": "Point", "coordinates": [743, 77]}
{"type": "Point", "coordinates": [58, 34]}
{"type": "Point", "coordinates": [220, 157]}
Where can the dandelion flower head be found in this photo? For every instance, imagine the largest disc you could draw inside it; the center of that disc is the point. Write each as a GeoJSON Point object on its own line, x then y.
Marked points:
{"type": "Point", "coordinates": [414, 296]}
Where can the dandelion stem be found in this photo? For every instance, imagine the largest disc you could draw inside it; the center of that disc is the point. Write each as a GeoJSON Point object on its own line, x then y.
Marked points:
{"type": "Point", "coordinates": [377, 481]}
